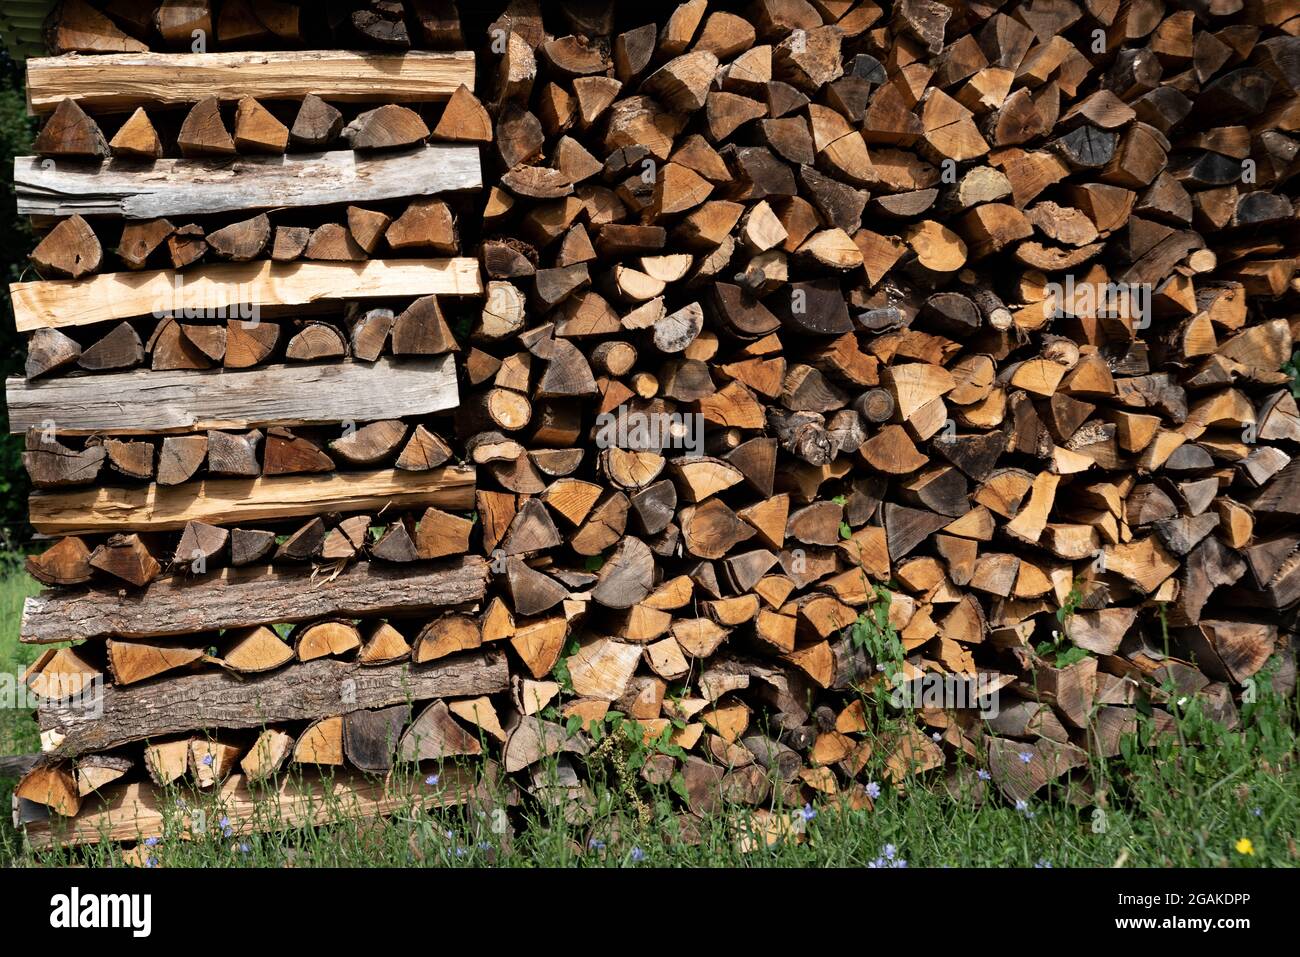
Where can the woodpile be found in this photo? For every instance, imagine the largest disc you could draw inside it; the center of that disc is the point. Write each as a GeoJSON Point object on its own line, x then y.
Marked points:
{"type": "Point", "coordinates": [713, 364]}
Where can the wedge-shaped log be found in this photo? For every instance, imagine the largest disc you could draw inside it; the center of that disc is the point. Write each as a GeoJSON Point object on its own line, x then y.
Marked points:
{"type": "Point", "coordinates": [160, 508]}
{"type": "Point", "coordinates": [230, 290]}
{"type": "Point", "coordinates": [198, 187]}
{"type": "Point", "coordinates": [123, 81]}
{"type": "Point", "coordinates": [132, 403]}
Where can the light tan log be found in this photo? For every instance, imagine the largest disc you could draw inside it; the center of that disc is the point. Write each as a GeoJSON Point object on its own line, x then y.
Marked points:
{"type": "Point", "coordinates": [227, 290]}
{"type": "Point", "coordinates": [133, 403]}
{"type": "Point", "coordinates": [196, 187]}
{"type": "Point", "coordinates": [160, 508]}
{"type": "Point", "coordinates": [119, 81]}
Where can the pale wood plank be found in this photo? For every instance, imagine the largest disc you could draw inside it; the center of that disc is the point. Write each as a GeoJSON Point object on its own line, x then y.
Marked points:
{"type": "Point", "coordinates": [234, 290]}
{"type": "Point", "coordinates": [195, 187]}
{"type": "Point", "coordinates": [245, 597]}
{"type": "Point", "coordinates": [158, 508]}
{"type": "Point", "coordinates": [144, 401]}
{"type": "Point", "coordinates": [134, 811]}
{"type": "Point", "coordinates": [120, 81]}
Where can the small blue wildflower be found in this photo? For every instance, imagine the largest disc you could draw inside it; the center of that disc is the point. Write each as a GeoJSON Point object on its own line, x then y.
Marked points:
{"type": "Point", "coordinates": [152, 862]}
{"type": "Point", "coordinates": [890, 851]}
{"type": "Point", "coordinates": [1026, 756]}
{"type": "Point", "coordinates": [224, 822]}
{"type": "Point", "coordinates": [596, 844]}
{"type": "Point", "coordinates": [460, 852]}
{"type": "Point", "coordinates": [431, 780]}
{"type": "Point", "coordinates": [449, 834]}
{"type": "Point", "coordinates": [873, 790]}
{"type": "Point", "coordinates": [1023, 807]}
{"type": "Point", "coordinates": [1258, 812]}
{"type": "Point", "coordinates": [485, 845]}
{"type": "Point", "coordinates": [808, 813]}
{"type": "Point", "coordinates": [207, 760]}
{"type": "Point", "coordinates": [151, 842]}
{"type": "Point", "coordinates": [936, 737]}
{"type": "Point", "coordinates": [638, 855]}
{"type": "Point", "coordinates": [243, 848]}
{"type": "Point", "coordinates": [880, 666]}
{"type": "Point", "coordinates": [983, 775]}
{"type": "Point", "coordinates": [1042, 862]}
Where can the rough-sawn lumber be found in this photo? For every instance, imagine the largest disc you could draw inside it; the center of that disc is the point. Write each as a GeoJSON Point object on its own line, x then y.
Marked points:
{"type": "Point", "coordinates": [246, 597]}
{"type": "Point", "coordinates": [118, 81]}
{"type": "Point", "coordinates": [160, 508]}
{"type": "Point", "coordinates": [199, 187]}
{"type": "Point", "coordinates": [220, 290]}
{"type": "Point", "coordinates": [188, 400]}
{"type": "Point", "coordinates": [300, 692]}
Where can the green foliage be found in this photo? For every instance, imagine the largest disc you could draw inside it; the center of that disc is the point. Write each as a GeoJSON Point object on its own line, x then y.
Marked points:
{"type": "Point", "coordinates": [1064, 653]}
{"type": "Point", "coordinates": [1291, 367]}
{"type": "Point", "coordinates": [561, 670]}
{"type": "Point", "coordinates": [16, 131]}
{"type": "Point", "coordinates": [873, 633]}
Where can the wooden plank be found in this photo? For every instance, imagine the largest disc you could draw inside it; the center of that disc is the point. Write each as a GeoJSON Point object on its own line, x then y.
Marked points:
{"type": "Point", "coordinates": [196, 187]}
{"type": "Point", "coordinates": [156, 508]}
{"type": "Point", "coordinates": [303, 691]}
{"type": "Point", "coordinates": [134, 811]}
{"type": "Point", "coordinates": [244, 597]}
{"type": "Point", "coordinates": [234, 290]}
{"type": "Point", "coordinates": [121, 81]}
{"type": "Point", "coordinates": [143, 401]}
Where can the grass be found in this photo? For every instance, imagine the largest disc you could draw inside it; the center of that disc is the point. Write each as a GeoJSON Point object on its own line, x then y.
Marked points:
{"type": "Point", "coordinates": [1185, 799]}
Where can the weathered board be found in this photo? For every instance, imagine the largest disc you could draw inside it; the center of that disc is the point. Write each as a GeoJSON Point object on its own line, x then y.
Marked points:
{"type": "Point", "coordinates": [196, 187]}
{"type": "Point", "coordinates": [160, 508]}
{"type": "Point", "coordinates": [135, 811]}
{"type": "Point", "coordinates": [144, 401]}
{"type": "Point", "coordinates": [119, 81]}
{"type": "Point", "coordinates": [298, 692]}
{"type": "Point", "coordinates": [244, 597]}
{"type": "Point", "coordinates": [233, 290]}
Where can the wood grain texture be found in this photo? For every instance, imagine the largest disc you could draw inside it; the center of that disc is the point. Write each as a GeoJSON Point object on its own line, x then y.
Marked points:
{"type": "Point", "coordinates": [245, 597]}
{"type": "Point", "coordinates": [134, 811]}
{"type": "Point", "coordinates": [159, 508]}
{"type": "Point", "coordinates": [305, 691]}
{"type": "Point", "coordinates": [144, 401]}
{"type": "Point", "coordinates": [230, 290]}
{"type": "Point", "coordinates": [196, 187]}
{"type": "Point", "coordinates": [127, 80]}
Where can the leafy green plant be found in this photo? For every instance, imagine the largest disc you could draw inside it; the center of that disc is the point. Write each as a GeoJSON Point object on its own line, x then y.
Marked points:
{"type": "Point", "coordinates": [874, 634]}
{"type": "Point", "coordinates": [1292, 368]}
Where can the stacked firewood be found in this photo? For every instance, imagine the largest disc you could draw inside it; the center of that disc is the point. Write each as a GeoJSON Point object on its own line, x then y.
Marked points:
{"type": "Point", "coordinates": [824, 348]}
